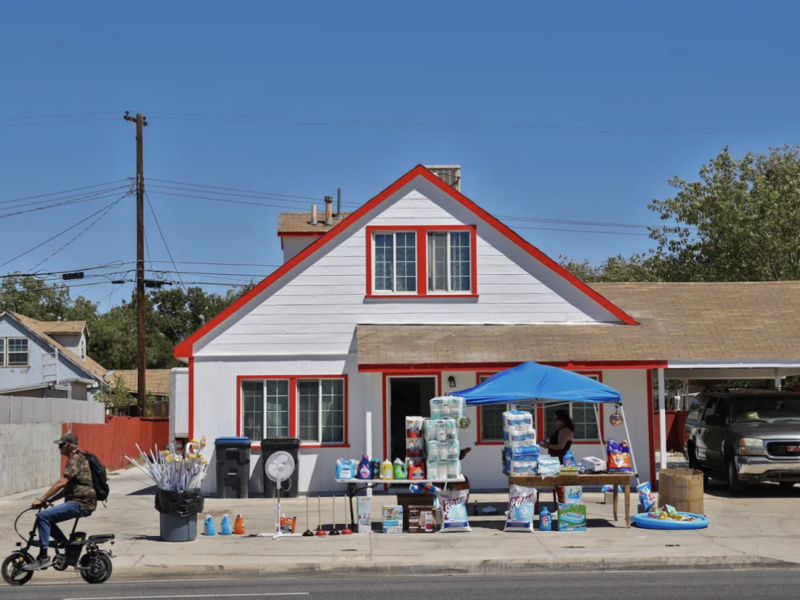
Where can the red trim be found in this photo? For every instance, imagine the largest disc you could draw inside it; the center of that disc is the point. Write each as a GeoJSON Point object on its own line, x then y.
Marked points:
{"type": "Point", "coordinates": [384, 416]}
{"type": "Point", "coordinates": [570, 366]}
{"type": "Point", "coordinates": [301, 234]}
{"type": "Point", "coordinates": [191, 399]}
{"type": "Point", "coordinates": [293, 410]}
{"type": "Point", "coordinates": [422, 260]}
{"type": "Point", "coordinates": [185, 348]}
{"type": "Point", "coordinates": [650, 418]}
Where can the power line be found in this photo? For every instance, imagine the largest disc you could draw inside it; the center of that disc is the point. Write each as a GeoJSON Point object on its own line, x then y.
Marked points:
{"type": "Point", "coordinates": [207, 191]}
{"type": "Point", "coordinates": [107, 210]}
{"type": "Point", "coordinates": [196, 197]}
{"type": "Point", "coordinates": [215, 187]}
{"type": "Point", "coordinates": [64, 191]}
{"type": "Point", "coordinates": [89, 114]}
{"type": "Point", "coordinates": [56, 205]}
{"type": "Point", "coordinates": [155, 218]}
{"type": "Point", "coordinates": [58, 122]}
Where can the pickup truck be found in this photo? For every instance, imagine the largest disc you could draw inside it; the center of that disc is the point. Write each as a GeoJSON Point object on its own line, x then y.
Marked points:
{"type": "Point", "coordinates": [745, 436]}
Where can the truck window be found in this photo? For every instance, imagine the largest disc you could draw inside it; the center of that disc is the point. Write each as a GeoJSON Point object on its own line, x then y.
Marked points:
{"type": "Point", "coordinates": [710, 409]}
{"type": "Point", "coordinates": [695, 409]}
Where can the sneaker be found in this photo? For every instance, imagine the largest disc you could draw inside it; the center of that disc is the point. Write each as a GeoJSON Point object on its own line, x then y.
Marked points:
{"type": "Point", "coordinates": [39, 563]}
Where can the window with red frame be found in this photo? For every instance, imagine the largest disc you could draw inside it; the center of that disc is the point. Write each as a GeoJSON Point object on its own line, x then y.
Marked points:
{"type": "Point", "coordinates": [491, 419]}
{"type": "Point", "coordinates": [583, 417]}
{"type": "Point", "coordinates": [419, 261]}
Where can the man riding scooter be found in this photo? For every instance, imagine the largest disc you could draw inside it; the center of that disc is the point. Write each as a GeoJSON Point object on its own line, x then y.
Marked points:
{"type": "Point", "coordinates": [80, 499]}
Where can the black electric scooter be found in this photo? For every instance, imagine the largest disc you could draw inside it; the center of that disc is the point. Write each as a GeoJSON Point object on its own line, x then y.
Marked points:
{"type": "Point", "coordinates": [94, 566]}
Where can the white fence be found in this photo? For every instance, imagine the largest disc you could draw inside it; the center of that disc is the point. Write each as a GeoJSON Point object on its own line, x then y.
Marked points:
{"type": "Point", "coordinates": [17, 410]}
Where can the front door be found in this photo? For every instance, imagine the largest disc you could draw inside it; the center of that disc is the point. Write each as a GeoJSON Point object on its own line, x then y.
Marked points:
{"type": "Point", "coordinates": [408, 397]}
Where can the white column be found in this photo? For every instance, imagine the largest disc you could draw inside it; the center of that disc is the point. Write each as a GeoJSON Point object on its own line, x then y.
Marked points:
{"type": "Point", "coordinates": [662, 413]}
{"type": "Point", "coordinates": [778, 382]}
{"type": "Point", "coordinates": [366, 384]}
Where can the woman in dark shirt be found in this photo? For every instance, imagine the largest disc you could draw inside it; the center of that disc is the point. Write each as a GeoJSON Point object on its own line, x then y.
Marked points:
{"type": "Point", "coordinates": [561, 440]}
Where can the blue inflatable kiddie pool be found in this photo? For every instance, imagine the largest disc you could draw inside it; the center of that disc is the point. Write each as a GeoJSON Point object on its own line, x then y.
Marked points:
{"type": "Point", "coordinates": [643, 521]}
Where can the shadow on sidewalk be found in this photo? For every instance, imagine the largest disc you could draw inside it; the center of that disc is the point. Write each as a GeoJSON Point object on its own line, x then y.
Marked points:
{"type": "Point", "coordinates": [719, 489]}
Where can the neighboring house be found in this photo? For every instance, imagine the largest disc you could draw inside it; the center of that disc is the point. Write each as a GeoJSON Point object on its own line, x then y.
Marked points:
{"type": "Point", "coordinates": [46, 359]}
{"type": "Point", "coordinates": [422, 292]}
{"type": "Point", "coordinates": [157, 383]}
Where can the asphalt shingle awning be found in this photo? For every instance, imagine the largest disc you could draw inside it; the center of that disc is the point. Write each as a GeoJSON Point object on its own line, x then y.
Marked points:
{"type": "Point", "coordinates": [677, 322]}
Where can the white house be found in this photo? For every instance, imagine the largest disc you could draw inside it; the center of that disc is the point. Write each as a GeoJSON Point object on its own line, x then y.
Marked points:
{"type": "Point", "coordinates": [422, 292]}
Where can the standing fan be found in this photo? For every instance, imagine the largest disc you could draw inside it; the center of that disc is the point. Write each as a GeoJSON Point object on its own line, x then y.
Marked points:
{"type": "Point", "coordinates": [279, 468]}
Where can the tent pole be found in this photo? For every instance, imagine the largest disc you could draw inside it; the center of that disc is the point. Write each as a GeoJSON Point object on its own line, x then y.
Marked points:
{"type": "Point", "coordinates": [630, 446]}
{"type": "Point", "coordinates": [662, 416]}
{"type": "Point", "coordinates": [599, 429]}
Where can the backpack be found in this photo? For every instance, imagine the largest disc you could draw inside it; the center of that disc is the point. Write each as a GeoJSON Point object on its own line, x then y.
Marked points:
{"type": "Point", "coordinates": [99, 479]}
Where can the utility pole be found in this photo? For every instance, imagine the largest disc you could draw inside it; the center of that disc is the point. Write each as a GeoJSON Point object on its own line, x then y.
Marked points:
{"type": "Point", "coordinates": [140, 300]}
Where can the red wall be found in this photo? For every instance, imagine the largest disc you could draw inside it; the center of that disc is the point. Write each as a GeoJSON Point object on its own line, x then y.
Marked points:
{"type": "Point", "coordinates": [118, 437]}
{"type": "Point", "coordinates": [676, 426]}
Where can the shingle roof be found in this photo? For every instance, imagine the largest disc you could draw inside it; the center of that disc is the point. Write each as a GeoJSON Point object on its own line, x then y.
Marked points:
{"type": "Point", "coordinates": [678, 321]}
{"type": "Point", "coordinates": [157, 380]}
{"type": "Point", "coordinates": [301, 222]}
{"type": "Point", "coordinates": [63, 327]}
{"type": "Point", "coordinates": [41, 328]}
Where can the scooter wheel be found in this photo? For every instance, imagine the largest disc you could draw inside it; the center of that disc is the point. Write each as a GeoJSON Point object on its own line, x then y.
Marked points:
{"type": "Point", "coordinates": [95, 568]}
{"type": "Point", "coordinates": [12, 568]}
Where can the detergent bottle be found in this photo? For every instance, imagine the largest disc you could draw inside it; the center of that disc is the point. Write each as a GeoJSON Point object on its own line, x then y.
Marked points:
{"type": "Point", "coordinates": [210, 527]}
{"type": "Point", "coordinates": [400, 469]}
{"type": "Point", "coordinates": [364, 468]}
{"type": "Point", "coordinates": [387, 471]}
{"type": "Point", "coordinates": [225, 526]}
{"type": "Point", "coordinates": [238, 525]}
{"type": "Point", "coordinates": [545, 520]}
{"type": "Point", "coordinates": [569, 459]}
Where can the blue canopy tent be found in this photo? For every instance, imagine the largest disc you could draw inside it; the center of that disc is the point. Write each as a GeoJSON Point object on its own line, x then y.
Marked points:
{"type": "Point", "coordinates": [533, 384]}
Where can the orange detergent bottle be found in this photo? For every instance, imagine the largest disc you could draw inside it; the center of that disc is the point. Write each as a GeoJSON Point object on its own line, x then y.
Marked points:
{"type": "Point", "coordinates": [238, 526]}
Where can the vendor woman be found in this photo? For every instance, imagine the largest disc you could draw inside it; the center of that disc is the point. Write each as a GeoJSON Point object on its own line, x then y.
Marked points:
{"type": "Point", "coordinates": [561, 440]}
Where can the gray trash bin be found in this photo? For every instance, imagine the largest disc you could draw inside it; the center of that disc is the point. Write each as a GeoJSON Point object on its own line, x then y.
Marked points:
{"type": "Point", "coordinates": [178, 529]}
{"type": "Point", "coordinates": [233, 467]}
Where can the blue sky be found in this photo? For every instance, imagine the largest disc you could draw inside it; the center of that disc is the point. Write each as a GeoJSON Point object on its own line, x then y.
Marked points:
{"type": "Point", "coordinates": [555, 110]}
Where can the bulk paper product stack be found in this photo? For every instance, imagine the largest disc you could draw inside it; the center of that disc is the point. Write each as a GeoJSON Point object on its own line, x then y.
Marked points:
{"type": "Point", "coordinates": [440, 435]}
{"type": "Point", "coordinates": [415, 448]}
{"type": "Point", "coordinates": [520, 450]}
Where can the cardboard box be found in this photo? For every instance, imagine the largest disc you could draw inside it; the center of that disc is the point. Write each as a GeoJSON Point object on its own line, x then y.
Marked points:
{"type": "Point", "coordinates": [392, 519]}
{"type": "Point", "coordinates": [572, 517]}
{"type": "Point", "coordinates": [573, 494]}
{"type": "Point", "coordinates": [421, 519]}
{"type": "Point", "coordinates": [364, 514]}
{"type": "Point", "coordinates": [681, 488]}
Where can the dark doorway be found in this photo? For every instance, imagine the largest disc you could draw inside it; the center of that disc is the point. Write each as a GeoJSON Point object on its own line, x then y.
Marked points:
{"type": "Point", "coordinates": [408, 397]}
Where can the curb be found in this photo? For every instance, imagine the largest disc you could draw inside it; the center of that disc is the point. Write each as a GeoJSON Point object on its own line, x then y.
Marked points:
{"type": "Point", "coordinates": [483, 567]}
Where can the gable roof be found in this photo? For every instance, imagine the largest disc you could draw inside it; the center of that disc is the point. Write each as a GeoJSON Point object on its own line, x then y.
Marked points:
{"type": "Point", "coordinates": [185, 348]}
{"type": "Point", "coordinates": [678, 322]}
{"type": "Point", "coordinates": [299, 223]}
{"type": "Point", "coordinates": [39, 329]}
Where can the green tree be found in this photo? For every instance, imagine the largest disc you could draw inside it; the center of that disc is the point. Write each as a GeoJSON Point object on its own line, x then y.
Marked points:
{"type": "Point", "coordinates": [34, 298]}
{"type": "Point", "coordinates": [638, 267]}
{"type": "Point", "coordinates": [739, 222]}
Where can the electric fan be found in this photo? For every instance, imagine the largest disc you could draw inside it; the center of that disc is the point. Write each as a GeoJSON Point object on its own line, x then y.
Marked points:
{"type": "Point", "coordinates": [279, 468]}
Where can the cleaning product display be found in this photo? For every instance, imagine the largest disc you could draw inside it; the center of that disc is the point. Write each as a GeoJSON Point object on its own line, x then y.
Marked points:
{"type": "Point", "coordinates": [225, 526]}
{"type": "Point", "coordinates": [619, 457]}
{"type": "Point", "coordinates": [545, 520]}
{"type": "Point", "coordinates": [210, 528]}
{"type": "Point", "coordinates": [288, 524]}
{"type": "Point", "coordinates": [376, 468]}
{"type": "Point", "coordinates": [549, 466]}
{"type": "Point", "coordinates": [572, 517]}
{"type": "Point", "coordinates": [573, 494]}
{"type": "Point", "coordinates": [415, 447]}
{"type": "Point", "coordinates": [454, 513]}
{"type": "Point", "coordinates": [416, 469]}
{"type": "Point", "coordinates": [414, 427]}
{"type": "Point", "coordinates": [392, 519]}
{"type": "Point", "coordinates": [569, 460]}
{"type": "Point", "coordinates": [647, 499]}
{"type": "Point", "coordinates": [364, 512]}
{"type": "Point", "coordinates": [387, 470]}
{"type": "Point", "coordinates": [521, 502]}
{"type": "Point", "coordinates": [238, 525]}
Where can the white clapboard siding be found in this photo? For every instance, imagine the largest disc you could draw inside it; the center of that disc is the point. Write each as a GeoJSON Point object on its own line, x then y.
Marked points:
{"type": "Point", "coordinates": [315, 308]}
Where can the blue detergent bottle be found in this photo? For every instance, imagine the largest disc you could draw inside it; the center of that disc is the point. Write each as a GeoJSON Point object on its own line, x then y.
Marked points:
{"type": "Point", "coordinates": [569, 459]}
{"type": "Point", "coordinates": [225, 526]}
{"type": "Point", "coordinates": [210, 528]}
{"type": "Point", "coordinates": [545, 520]}
{"type": "Point", "coordinates": [364, 468]}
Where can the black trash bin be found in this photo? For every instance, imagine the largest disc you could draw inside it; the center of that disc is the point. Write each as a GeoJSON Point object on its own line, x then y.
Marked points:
{"type": "Point", "coordinates": [276, 444]}
{"type": "Point", "coordinates": [179, 514]}
{"type": "Point", "coordinates": [233, 466]}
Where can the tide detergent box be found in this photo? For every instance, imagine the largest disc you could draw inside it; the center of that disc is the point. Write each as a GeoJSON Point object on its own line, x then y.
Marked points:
{"type": "Point", "coordinates": [392, 519]}
{"type": "Point", "coordinates": [364, 514]}
{"type": "Point", "coordinates": [572, 517]}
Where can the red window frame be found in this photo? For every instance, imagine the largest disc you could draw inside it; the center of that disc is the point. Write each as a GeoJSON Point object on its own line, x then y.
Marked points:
{"type": "Point", "coordinates": [540, 424]}
{"type": "Point", "coordinates": [422, 260]}
{"type": "Point", "coordinates": [293, 407]}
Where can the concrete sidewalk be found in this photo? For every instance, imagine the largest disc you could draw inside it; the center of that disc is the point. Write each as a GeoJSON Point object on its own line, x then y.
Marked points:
{"type": "Point", "coordinates": [760, 530]}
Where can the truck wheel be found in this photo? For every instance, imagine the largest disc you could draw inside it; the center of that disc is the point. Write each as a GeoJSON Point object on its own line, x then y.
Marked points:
{"type": "Point", "coordinates": [736, 486]}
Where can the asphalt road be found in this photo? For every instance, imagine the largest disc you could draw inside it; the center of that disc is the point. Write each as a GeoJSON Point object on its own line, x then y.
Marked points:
{"type": "Point", "coordinates": [708, 585]}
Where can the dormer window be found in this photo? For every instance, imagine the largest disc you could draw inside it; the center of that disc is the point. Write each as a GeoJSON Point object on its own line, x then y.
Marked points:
{"type": "Point", "coordinates": [419, 261]}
